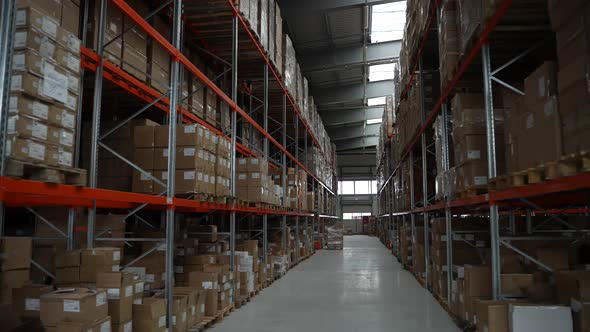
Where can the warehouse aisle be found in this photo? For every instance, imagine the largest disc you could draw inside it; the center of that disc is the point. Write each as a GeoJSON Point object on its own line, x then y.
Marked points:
{"type": "Point", "coordinates": [361, 288]}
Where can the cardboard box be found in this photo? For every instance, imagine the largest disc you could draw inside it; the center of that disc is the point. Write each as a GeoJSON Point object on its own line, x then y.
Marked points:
{"type": "Point", "coordinates": [192, 312]}
{"type": "Point", "coordinates": [180, 316]}
{"type": "Point", "coordinates": [492, 316]}
{"type": "Point", "coordinates": [97, 260]}
{"type": "Point", "coordinates": [540, 318]}
{"type": "Point", "coordinates": [150, 315]}
{"type": "Point", "coordinates": [73, 304]}
{"type": "Point", "coordinates": [143, 183]}
{"type": "Point", "coordinates": [26, 301]}
{"type": "Point", "coordinates": [515, 284]}
{"type": "Point", "coordinates": [204, 280]}
{"type": "Point", "coordinates": [99, 325]}
{"type": "Point", "coordinates": [123, 327]}
{"type": "Point", "coordinates": [10, 280]}
{"type": "Point", "coordinates": [160, 158]}
{"type": "Point", "coordinates": [572, 285]}
{"type": "Point", "coordinates": [119, 288]}
{"type": "Point", "coordinates": [52, 8]}
{"type": "Point", "coordinates": [205, 233]}
{"type": "Point", "coordinates": [16, 253]}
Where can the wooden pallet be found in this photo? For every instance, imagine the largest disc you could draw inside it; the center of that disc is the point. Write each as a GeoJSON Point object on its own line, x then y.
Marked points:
{"type": "Point", "coordinates": [208, 321]}
{"type": "Point", "coordinates": [473, 191]}
{"type": "Point", "coordinates": [241, 301]}
{"type": "Point", "coordinates": [500, 183]}
{"type": "Point", "coordinates": [566, 166]}
{"type": "Point", "coordinates": [40, 172]}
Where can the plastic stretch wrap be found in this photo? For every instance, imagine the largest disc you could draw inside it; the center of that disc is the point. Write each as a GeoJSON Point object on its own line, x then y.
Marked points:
{"type": "Point", "coordinates": [263, 23]}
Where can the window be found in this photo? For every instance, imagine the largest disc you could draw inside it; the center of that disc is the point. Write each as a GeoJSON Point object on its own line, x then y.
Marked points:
{"type": "Point", "coordinates": [355, 215]}
{"type": "Point", "coordinates": [381, 72]}
{"type": "Point", "coordinates": [376, 101]}
{"type": "Point", "coordinates": [388, 21]}
{"type": "Point", "coordinates": [374, 121]}
{"type": "Point", "coordinates": [346, 188]}
{"type": "Point", "coordinates": [359, 187]}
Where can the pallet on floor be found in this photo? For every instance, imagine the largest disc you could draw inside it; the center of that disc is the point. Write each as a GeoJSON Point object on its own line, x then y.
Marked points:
{"type": "Point", "coordinates": [208, 321]}
{"type": "Point", "coordinates": [41, 172]}
{"type": "Point", "coordinates": [242, 301]}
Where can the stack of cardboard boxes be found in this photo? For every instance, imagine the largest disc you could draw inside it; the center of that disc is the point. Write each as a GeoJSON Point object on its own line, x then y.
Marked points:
{"type": "Point", "coordinates": [253, 182]}
{"type": "Point", "coordinates": [44, 87]}
{"type": "Point", "coordinates": [202, 160]}
{"type": "Point", "coordinates": [78, 309]}
{"type": "Point", "coordinates": [572, 26]}
{"type": "Point", "coordinates": [15, 265]}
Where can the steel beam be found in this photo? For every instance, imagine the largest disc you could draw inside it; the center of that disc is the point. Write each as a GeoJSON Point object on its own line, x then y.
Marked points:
{"type": "Point", "coordinates": [351, 93]}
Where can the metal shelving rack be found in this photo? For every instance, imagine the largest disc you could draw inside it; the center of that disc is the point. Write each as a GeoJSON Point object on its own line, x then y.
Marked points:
{"type": "Point", "coordinates": [552, 198]}
{"type": "Point", "coordinates": [276, 103]}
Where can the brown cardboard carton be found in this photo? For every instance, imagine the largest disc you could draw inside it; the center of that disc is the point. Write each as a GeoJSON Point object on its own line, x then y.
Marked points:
{"type": "Point", "coordinates": [572, 285]}
{"type": "Point", "coordinates": [143, 183]}
{"type": "Point", "coordinates": [119, 287]}
{"type": "Point", "coordinates": [541, 84]}
{"type": "Point", "coordinates": [26, 300]}
{"type": "Point", "coordinates": [515, 284]}
{"type": "Point", "coordinates": [73, 304]}
{"type": "Point", "coordinates": [186, 181]}
{"type": "Point", "coordinates": [143, 136]}
{"type": "Point", "coordinates": [188, 135]}
{"type": "Point", "coordinates": [160, 158]}
{"type": "Point", "coordinates": [192, 311]}
{"type": "Point", "coordinates": [556, 258]}
{"type": "Point", "coordinates": [99, 325]}
{"type": "Point", "coordinates": [180, 316]}
{"type": "Point", "coordinates": [123, 327]}
{"type": "Point", "coordinates": [16, 253]}
{"type": "Point", "coordinates": [207, 233]}
{"type": "Point", "coordinates": [52, 8]}
{"type": "Point", "coordinates": [492, 316]}
{"type": "Point", "coordinates": [211, 302]}
{"type": "Point", "coordinates": [161, 137]}
{"type": "Point", "coordinates": [70, 16]}
{"type": "Point", "coordinates": [186, 157]}
{"type": "Point", "coordinates": [67, 275]}
{"type": "Point", "coordinates": [10, 280]}
{"type": "Point", "coordinates": [144, 158]}
{"type": "Point", "coordinates": [150, 315]}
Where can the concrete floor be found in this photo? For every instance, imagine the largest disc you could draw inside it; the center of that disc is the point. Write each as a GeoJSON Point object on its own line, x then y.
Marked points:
{"type": "Point", "coordinates": [362, 288]}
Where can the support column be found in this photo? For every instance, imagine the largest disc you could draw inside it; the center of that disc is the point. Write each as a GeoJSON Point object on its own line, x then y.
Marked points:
{"type": "Point", "coordinates": [265, 153]}
{"type": "Point", "coordinates": [234, 124]}
{"type": "Point", "coordinates": [448, 215]}
{"type": "Point", "coordinates": [175, 82]}
{"type": "Point", "coordinates": [284, 175]}
{"type": "Point", "coordinates": [491, 144]}
{"type": "Point", "coordinates": [96, 110]}
{"type": "Point", "coordinates": [424, 175]}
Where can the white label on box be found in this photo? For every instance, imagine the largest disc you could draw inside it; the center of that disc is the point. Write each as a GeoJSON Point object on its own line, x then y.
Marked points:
{"type": "Point", "coordinates": [18, 62]}
{"type": "Point", "coordinates": [128, 326]}
{"type": "Point", "coordinates": [165, 153]}
{"type": "Point", "coordinates": [66, 138]}
{"type": "Point", "coordinates": [480, 180]}
{"type": "Point", "coordinates": [162, 321]}
{"type": "Point", "coordinates": [193, 310]}
{"type": "Point", "coordinates": [128, 291]}
{"type": "Point", "coordinates": [189, 129]}
{"type": "Point", "coordinates": [73, 82]}
{"type": "Point", "coordinates": [20, 39]}
{"type": "Point", "coordinates": [115, 268]}
{"type": "Point", "coordinates": [71, 306]}
{"type": "Point", "coordinates": [36, 151]}
{"type": "Point", "coordinates": [199, 176]}
{"type": "Point", "coordinates": [16, 83]}
{"type": "Point", "coordinates": [32, 304]}
{"type": "Point", "coordinates": [144, 177]}
{"type": "Point", "coordinates": [255, 175]}
{"type": "Point", "coordinates": [48, 26]}
{"type": "Point", "coordinates": [206, 177]}
{"type": "Point", "coordinates": [150, 278]}
{"type": "Point", "coordinates": [174, 320]}
{"type": "Point", "coordinates": [202, 309]}
{"type": "Point", "coordinates": [207, 285]}
{"type": "Point", "coordinates": [47, 47]}
{"type": "Point", "coordinates": [73, 63]}
{"type": "Point", "coordinates": [138, 301]}
{"type": "Point", "coordinates": [242, 176]}
{"type": "Point", "coordinates": [222, 296]}
{"type": "Point", "coordinates": [101, 299]}
{"type": "Point", "coordinates": [40, 110]}
{"type": "Point", "coordinates": [530, 121]}
{"type": "Point", "coordinates": [72, 102]}
{"type": "Point", "coordinates": [65, 159]}
{"type": "Point", "coordinates": [105, 327]}
{"type": "Point", "coordinates": [254, 161]}
{"type": "Point", "coordinates": [68, 120]}
{"type": "Point", "coordinates": [139, 287]}
{"type": "Point", "coordinates": [184, 316]}
{"type": "Point", "coordinates": [55, 85]}
{"type": "Point", "coordinates": [189, 152]}
{"type": "Point", "coordinates": [113, 27]}
{"type": "Point", "coordinates": [473, 154]}
{"type": "Point", "coordinates": [113, 293]}
{"type": "Point", "coordinates": [21, 17]}
{"type": "Point", "coordinates": [117, 255]}
{"type": "Point", "coordinates": [548, 108]}
{"type": "Point", "coordinates": [39, 130]}
{"type": "Point", "coordinates": [541, 86]}
{"type": "Point", "coordinates": [189, 175]}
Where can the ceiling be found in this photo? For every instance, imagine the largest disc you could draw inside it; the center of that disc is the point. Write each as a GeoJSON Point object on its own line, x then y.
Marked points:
{"type": "Point", "coordinates": [330, 37]}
